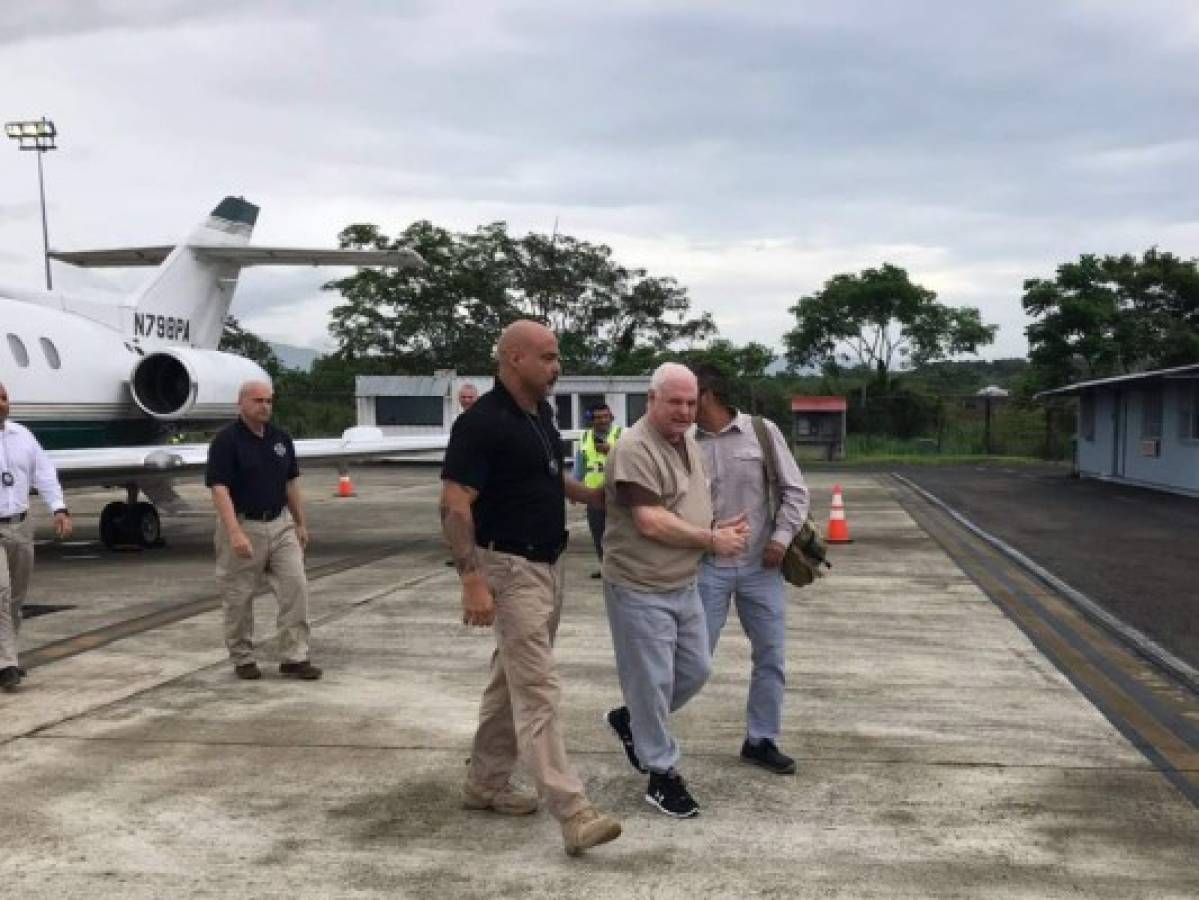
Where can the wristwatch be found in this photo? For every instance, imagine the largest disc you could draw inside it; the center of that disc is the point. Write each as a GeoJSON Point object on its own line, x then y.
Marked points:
{"type": "Point", "coordinates": [63, 510]}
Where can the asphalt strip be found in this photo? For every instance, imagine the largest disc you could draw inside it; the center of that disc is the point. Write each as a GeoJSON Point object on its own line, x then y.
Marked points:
{"type": "Point", "coordinates": [1139, 642]}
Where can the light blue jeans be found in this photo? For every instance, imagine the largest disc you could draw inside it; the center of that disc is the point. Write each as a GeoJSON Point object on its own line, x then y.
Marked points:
{"type": "Point", "coordinates": [662, 658]}
{"type": "Point", "coordinates": [762, 608]}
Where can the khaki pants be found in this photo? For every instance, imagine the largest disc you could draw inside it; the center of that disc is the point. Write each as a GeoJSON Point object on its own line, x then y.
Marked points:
{"type": "Point", "coordinates": [519, 712]}
{"type": "Point", "coordinates": [16, 565]}
{"type": "Point", "coordinates": [277, 555]}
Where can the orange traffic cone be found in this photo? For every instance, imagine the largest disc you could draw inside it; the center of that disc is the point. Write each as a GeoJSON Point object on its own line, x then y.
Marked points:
{"type": "Point", "coordinates": [838, 528]}
{"type": "Point", "coordinates": [344, 487]}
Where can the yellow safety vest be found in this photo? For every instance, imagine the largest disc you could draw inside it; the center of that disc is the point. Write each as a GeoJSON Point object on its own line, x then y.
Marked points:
{"type": "Point", "coordinates": [593, 460]}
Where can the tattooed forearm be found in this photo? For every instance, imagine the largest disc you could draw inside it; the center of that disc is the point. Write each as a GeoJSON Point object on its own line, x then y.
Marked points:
{"type": "Point", "coordinates": [458, 527]}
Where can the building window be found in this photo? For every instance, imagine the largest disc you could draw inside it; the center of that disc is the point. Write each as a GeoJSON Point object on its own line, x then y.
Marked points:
{"type": "Point", "coordinates": [1188, 411]}
{"type": "Point", "coordinates": [19, 353]}
{"type": "Point", "coordinates": [563, 412]}
{"type": "Point", "coordinates": [1151, 414]}
{"type": "Point", "coordinates": [634, 407]}
{"type": "Point", "coordinates": [1086, 416]}
{"type": "Point", "coordinates": [409, 411]}
{"type": "Point", "coordinates": [586, 401]}
{"type": "Point", "coordinates": [50, 352]}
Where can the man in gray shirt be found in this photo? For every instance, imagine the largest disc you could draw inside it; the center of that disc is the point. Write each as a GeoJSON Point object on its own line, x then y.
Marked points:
{"type": "Point", "coordinates": [735, 463]}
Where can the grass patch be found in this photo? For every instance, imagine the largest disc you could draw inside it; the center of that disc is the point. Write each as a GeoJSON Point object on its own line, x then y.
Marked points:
{"type": "Point", "coordinates": [923, 459]}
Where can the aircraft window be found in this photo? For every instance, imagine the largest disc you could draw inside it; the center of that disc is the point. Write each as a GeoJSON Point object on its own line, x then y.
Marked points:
{"type": "Point", "coordinates": [20, 354]}
{"type": "Point", "coordinates": [51, 353]}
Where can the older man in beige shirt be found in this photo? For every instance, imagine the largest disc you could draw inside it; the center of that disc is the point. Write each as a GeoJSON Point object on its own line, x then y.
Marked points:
{"type": "Point", "coordinates": [659, 524]}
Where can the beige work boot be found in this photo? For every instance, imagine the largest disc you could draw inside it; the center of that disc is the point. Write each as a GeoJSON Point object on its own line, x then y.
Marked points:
{"type": "Point", "coordinates": [588, 828]}
{"type": "Point", "coordinates": [507, 800]}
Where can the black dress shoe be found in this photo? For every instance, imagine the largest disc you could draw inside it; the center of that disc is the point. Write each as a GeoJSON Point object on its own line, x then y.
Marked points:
{"type": "Point", "coordinates": [305, 670]}
{"type": "Point", "coordinates": [249, 671]}
{"type": "Point", "coordinates": [767, 755]}
{"type": "Point", "coordinates": [10, 677]}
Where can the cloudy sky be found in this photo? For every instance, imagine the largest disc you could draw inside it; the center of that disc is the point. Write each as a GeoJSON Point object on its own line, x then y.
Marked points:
{"type": "Point", "coordinates": [752, 150]}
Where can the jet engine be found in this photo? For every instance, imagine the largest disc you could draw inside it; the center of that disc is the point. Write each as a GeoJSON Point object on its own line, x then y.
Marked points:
{"type": "Point", "coordinates": [197, 385]}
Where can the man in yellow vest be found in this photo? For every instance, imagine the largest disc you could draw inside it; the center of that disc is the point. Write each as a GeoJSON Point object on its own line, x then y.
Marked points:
{"type": "Point", "coordinates": [589, 466]}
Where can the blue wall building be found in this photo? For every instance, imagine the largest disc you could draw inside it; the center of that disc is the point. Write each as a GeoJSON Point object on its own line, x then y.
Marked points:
{"type": "Point", "coordinates": [1140, 429]}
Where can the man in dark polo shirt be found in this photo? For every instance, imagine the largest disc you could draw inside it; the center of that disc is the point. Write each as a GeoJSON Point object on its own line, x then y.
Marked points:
{"type": "Point", "coordinates": [260, 529]}
{"type": "Point", "coordinates": [503, 512]}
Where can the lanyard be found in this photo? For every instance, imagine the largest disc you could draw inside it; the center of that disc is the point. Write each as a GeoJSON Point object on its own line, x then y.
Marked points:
{"type": "Point", "coordinates": [7, 479]}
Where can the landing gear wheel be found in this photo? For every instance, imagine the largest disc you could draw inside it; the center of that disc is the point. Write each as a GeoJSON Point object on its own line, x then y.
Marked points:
{"type": "Point", "coordinates": [130, 525]}
{"type": "Point", "coordinates": [110, 523]}
{"type": "Point", "coordinates": [147, 528]}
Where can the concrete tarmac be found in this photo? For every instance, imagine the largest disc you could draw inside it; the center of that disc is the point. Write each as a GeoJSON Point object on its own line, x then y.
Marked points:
{"type": "Point", "coordinates": [940, 754]}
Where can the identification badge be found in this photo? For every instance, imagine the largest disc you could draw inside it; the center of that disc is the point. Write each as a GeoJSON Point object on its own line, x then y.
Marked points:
{"type": "Point", "coordinates": [553, 466]}
{"type": "Point", "coordinates": [280, 450]}
{"type": "Point", "coordinates": [7, 479]}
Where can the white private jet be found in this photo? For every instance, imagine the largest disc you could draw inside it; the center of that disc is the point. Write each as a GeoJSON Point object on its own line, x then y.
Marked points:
{"type": "Point", "coordinates": [104, 383]}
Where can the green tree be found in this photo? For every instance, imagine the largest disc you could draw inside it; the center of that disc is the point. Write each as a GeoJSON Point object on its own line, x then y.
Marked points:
{"type": "Point", "coordinates": [1112, 315]}
{"type": "Point", "coordinates": [880, 319]}
{"type": "Point", "coordinates": [235, 339]}
{"type": "Point", "coordinates": [444, 315]}
{"type": "Point", "coordinates": [748, 361]}
{"type": "Point", "coordinates": [449, 314]}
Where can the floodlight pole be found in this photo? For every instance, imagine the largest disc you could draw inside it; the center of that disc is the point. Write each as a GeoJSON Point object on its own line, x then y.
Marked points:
{"type": "Point", "coordinates": [41, 189]}
{"type": "Point", "coordinates": [37, 136]}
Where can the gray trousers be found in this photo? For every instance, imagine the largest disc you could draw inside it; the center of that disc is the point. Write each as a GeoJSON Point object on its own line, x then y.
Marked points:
{"type": "Point", "coordinates": [662, 659]}
{"type": "Point", "coordinates": [16, 565]}
{"type": "Point", "coordinates": [597, 520]}
{"type": "Point", "coordinates": [761, 599]}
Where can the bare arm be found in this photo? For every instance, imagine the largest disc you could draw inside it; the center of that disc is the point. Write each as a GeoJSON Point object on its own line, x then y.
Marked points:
{"type": "Point", "coordinates": [224, 508]}
{"type": "Point", "coordinates": [228, 516]}
{"type": "Point", "coordinates": [458, 528]}
{"type": "Point", "coordinates": [661, 525]}
{"type": "Point", "coordinates": [655, 522]}
{"type": "Point", "coordinates": [295, 505]}
{"type": "Point", "coordinates": [579, 493]}
{"type": "Point", "coordinates": [458, 525]}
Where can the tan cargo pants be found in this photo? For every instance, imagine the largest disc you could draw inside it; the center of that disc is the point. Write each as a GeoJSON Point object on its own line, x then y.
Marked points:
{"type": "Point", "coordinates": [16, 566]}
{"type": "Point", "coordinates": [277, 555]}
{"type": "Point", "coordinates": [519, 713]}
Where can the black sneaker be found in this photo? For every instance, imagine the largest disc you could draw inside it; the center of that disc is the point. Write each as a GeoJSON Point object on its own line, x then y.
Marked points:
{"type": "Point", "coordinates": [304, 670]}
{"type": "Point", "coordinates": [768, 756]}
{"type": "Point", "coordinates": [618, 721]}
{"type": "Point", "coordinates": [248, 671]}
{"type": "Point", "coordinates": [10, 677]}
{"type": "Point", "coordinates": [669, 794]}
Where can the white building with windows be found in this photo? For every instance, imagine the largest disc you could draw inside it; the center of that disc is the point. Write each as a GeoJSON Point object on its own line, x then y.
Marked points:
{"type": "Point", "coordinates": [1140, 429]}
{"type": "Point", "coordinates": [427, 404]}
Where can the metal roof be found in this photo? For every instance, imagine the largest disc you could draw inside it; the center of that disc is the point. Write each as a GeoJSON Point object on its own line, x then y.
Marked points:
{"type": "Point", "coordinates": [1190, 371]}
{"type": "Point", "coordinates": [818, 404]}
{"type": "Point", "coordinates": [402, 386]}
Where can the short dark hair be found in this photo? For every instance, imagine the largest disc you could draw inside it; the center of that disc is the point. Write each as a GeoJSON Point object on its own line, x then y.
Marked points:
{"type": "Point", "coordinates": [596, 407]}
{"type": "Point", "coordinates": [711, 378]}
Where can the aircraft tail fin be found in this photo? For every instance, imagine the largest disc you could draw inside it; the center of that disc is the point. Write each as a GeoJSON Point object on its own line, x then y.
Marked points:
{"type": "Point", "coordinates": [186, 299]}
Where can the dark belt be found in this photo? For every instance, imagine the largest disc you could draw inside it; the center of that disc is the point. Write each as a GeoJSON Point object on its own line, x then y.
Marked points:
{"type": "Point", "coordinates": [10, 520]}
{"type": "Point", "coordinates": [263, 515]}
{"type": "Point", "coordinates": [546, 553]}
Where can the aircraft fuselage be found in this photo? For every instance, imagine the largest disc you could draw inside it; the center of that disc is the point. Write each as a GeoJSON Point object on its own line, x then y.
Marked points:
{"type": "Point", "coordinates": [68, 378]}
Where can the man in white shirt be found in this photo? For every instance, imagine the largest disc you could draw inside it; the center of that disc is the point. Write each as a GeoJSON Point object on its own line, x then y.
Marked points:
{"type": "Point", "coordinates": [23, 464]}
